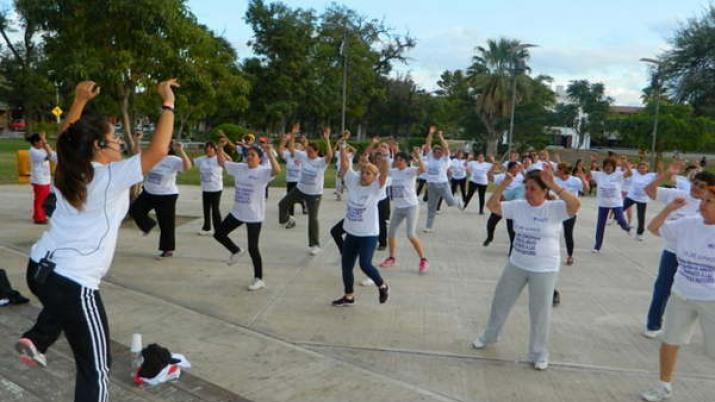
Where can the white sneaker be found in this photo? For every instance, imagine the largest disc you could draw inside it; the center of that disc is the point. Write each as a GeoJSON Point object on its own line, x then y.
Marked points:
{"type": "Point", "coordinates": [4, 302]}
{"type": "Point", "coordinates": [639, 237]}
{"type": "Point", "coordinates": [460, 204]}
{"type": "Point", "coordinates": [290, 224]}
{"type": "Point", "coordinates": [541, 365]}
{"type": "Point", "coordinates": [257, 284]}
{"type": "Point", "coordinates": [595, 251]}
{"type": "Point", "coordinates": [650, 334]}
{"type": "Point", "coordinates": [204, 233]}
{"type": "Point", "coordinates": [367, 282]}
{"type": "Point", "coordinates": [233, 259]}
{"type": "Point", "coordinates": [314, 250]}
{"type": "Point", "coordinates": [478, 344]}
{"type": "Point", "coordinates": [428, 230]}
{"type": "Point", "coordinates": [657, 393]}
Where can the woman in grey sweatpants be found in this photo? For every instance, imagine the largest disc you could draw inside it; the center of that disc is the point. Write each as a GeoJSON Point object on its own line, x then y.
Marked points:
{"type": "Point", "coordinates": [534, 260]}
{"type": "Point", "coordinates": [437, 163]}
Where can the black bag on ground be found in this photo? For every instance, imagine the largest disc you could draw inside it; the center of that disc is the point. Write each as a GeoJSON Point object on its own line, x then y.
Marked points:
{"type": "Point", "coordinates": [7, 292]}
{"type": "Point", "coordinates": [50, 204]}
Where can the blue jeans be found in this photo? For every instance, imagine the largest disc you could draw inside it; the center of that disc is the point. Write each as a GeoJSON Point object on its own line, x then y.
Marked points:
{"type": "Point", "coordinates": [363, 247]}
{"type": "Point", "coordinates": [661, 289]}
{"type": "Point", "coordinates": [601, 224]}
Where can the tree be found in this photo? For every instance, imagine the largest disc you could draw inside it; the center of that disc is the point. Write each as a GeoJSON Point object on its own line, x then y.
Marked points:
{"type": "Point", "coordinates": [688, 68]}
{"type": "Point", "coordinates": [591, 109]}
{"type": "Point", "coordinates": [492, 72]}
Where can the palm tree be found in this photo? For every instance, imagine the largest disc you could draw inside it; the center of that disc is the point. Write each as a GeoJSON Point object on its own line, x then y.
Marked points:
{"type": "Point", "coordinates": [492, 71]}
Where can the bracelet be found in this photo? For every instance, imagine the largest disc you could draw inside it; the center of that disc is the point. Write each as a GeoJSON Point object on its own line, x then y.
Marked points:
{"type": "Point", "coordinates": [167, 106]}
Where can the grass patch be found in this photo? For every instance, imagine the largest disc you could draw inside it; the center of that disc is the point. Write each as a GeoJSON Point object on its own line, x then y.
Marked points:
{"type": "Point", "coordinates": [8, 160]}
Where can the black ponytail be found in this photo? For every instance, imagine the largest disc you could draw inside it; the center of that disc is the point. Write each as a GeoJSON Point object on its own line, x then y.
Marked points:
{"type": "Point", "coordinates": [75, 152]}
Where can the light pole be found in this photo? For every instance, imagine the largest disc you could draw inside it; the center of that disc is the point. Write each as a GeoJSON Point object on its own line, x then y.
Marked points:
{"type": "Point", "coordinates": [657, 65]}
{"type": "Point", "coordinates": [344, 53]}
{"type": "Point", "coordinates": [518, 65]}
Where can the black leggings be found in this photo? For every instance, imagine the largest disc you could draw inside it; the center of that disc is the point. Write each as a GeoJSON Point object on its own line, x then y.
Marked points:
{"type": "Point", "coordinates": [229, 224]}
{"type": "Point", "coordinates": [290, 185]}
{"type": "Point", "coordinates": [383, 211]}
{"type": "Point", "coordinates": [165, 208]}
{"type": "Point", "coordinates": [492, 225]}
{"type": "Point", "coordinates": [640, 206]}
{"type": "Point", "coordinates": [420, 184]}
{"type": "Point", "coordinates": [211, 201]}
{"type": "Point", "coordinates": [462, 183]}
{"type": "Point", "coordinates": [481, 189]}
{"type": "Point", "coordinates": [337, 232]}
{"type": "Point", "coordinates": [568, 234]}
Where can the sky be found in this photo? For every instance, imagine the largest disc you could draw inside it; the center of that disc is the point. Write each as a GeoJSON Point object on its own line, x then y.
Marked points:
{"type": "Point", "coordinates": [601, 41]}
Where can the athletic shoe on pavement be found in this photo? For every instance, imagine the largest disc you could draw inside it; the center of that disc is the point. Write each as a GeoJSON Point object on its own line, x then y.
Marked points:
{"type": "Point", "coordinates": [651, 334]}
{"type": "Point", "coordinates": [314, 250]}
{"type": "Point", "coordinates": [389, 262]}
{"type": "Point", "coordinates": [541, 365]}
{"type": "Point", "coordinates": [367, 282]}
{"type": "Point", "coordinates": [29, 355]}
{"type": "Point", "coordinates": [233, 259]}
{"type": "Point", "coordinates": [257, 284]}
{"type": "Point", "coordinates": [343, 302]}
{"type": "Point", "coordinates": [658, 393]}
{"type": "Point", "coordinates": [424, 265]}
{"type": "Point", "coordinates": [290, 224]}
{"type": "Point", "coordinates": [384, 292]}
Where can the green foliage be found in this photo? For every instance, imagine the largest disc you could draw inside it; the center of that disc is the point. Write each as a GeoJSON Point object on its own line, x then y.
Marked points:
{"type": "Point", "coordinates": [234, 132]}
{"type": "Point", "coordinates": [592, 100]}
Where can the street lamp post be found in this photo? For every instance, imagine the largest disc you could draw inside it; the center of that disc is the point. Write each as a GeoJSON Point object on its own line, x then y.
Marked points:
{"type": "Point", "coordinates": [518, 66]}
{"type": "Point", "coordinates": [344, 53]}
{"type": "Point", "coordinates": [657, 106]}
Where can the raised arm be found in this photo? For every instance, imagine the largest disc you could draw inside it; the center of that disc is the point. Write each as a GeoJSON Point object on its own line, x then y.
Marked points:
{"type": "Point", "coordinates": [444, 143]}
{"type": "Point", "coordinates": [417, 156]}
{"type": "Point", "coordinates": [184, 158]}
{"type": "Point", "coordinates": [344, 162]}
{"type": "Point", "coordinates": [572, 202]}
{"type": "Point", "coordinates": [494, 202]}
{"type": "Point", "coordinates": [221, 154]}
{"type": "Point", "coordinates": [159, 146]}
{"type": "Point", "coordinates": [428, 140]}
{"type": "Point", "coordinates": [275, 166]}
{"type": "Point", "coordinates": [328, 147]}
{"type": "Point", "coordinates": [655, 224]}
{"type": "Point", "coordinates": [137, 147]}
{"type": "Point", "coordinates": [46, 146]}
{"type": "Point", "coordinates": [384, 165]}
{"type": "Point", "coordinates": [84, 92]}
{"type": "Point", "coordinates": [652, 189]}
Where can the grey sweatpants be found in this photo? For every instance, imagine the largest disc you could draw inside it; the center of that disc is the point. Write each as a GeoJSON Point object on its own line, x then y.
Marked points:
{"type": "Point", "coordinates": [435, 191]}
{"type": "Point", "coordinates": [398, 215]}
{"type": "Point", "coordinates": [541, 291]}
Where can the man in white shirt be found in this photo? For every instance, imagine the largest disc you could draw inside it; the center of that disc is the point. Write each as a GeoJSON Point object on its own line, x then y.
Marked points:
{"type": "Point", "coordinates": [41, 154]}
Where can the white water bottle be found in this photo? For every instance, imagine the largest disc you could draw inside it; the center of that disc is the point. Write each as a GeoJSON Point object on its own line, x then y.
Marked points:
{"type": "Point", "coordinates": [136, 350]}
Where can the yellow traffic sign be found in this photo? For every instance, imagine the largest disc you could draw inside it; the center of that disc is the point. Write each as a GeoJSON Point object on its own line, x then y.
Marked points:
{"type": "Point", "coordinates": [57, 111]}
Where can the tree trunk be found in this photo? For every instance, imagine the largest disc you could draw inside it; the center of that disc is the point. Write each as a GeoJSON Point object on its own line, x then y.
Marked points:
{"type": "Point", "coordinates": [126, 119]}
{"type": "Point", "coordinates": [492, 145]}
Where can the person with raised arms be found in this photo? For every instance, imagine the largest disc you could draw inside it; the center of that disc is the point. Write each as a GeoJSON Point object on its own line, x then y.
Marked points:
{"type": "Point", "coordinates": [339, 185]}
{"type": "Point", "coordinates": [437, 163]}
{"type": "Point", "coordinates": [160, 194]}
{"type": "Point", "coordinates": [535, 259]}
{"type": "Point", "coordinates": [251, 178]}
{"type": "Point", "coordinates": [211, 176]}
{"type": "Point", "coordinates": [308, 189]}
{"type": "Point", "coordinates": [693, 298]}
{"type": "Point", "coordinates": [458, 175]}
{"type": "Point", "coordinates": [41, 153]}
{"type": "Point", "coordinates": [68, 262]}
{"type": "Point", "coordinates": [292, 165]}
{"type": "Point", "coordinates": [513, 191]}
{"type": "Point", "coordinates": [406, 205]}
{"type": "Point", "coordinates": [361, 223]}
{"type": "Point", "coordinates": [640, 178]}
{"type": "Point", "coordinates": [478, 180]}
{"type": "Point", "coordinates": [668, 264]}
{"type": "Point", "coordinates": [609, 184]}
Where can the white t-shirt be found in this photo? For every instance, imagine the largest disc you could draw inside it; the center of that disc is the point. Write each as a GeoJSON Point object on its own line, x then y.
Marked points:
{"type": "Point", "coordinates": [211, 173]}
{"type": "Point", "coordinates": [639, 182]}
{"type": "Point", "coordinates": [436, 169]}
{"type": "Point", "coordinates": [538, 234]}
{"type": "Point", "coordinates": [515, 189]}
{"type": "Point", "coordinates": [250, 197]}
{"type": "Point", "coordinates": [40, 166]}
{"type": "Point", "coordinates": [161, 180]}
{"type": "Point", "coordinates": [682, 183]}
{"type": "Point", "coordinates": [609, 189]}
{"type": "Point", "coordinates": [573, 184]}
{"type": "Point", "coordinates": [388, 183]}
{"type": "Point", "coordinates": [83, 241]}
{"type": "Point", "coordinates": [312, 174]}
{"type": "Point", "coordinates": [479, 172]}
{"type": "Point", "coordinates": [361, 217]}
{"type": "Point", "coordinates": [459, 168]}
{"type": "Point", "coordinates": [351, 156]}
{"type": "Point", "coordinates": [403, 190]}
{"type": "Point", "coordinates": [690, 209]}
{"type": "Point", "coordinates": [539, 165]}
{"type": "Point", "coordinates": [695, 247]}
{"type": "Point", "coordinates": [292, 167]}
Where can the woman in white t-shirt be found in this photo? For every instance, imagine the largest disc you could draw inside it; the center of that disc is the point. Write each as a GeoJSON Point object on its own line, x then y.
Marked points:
{"type": "Point", "coordinates": [534, 261]}
{"type": "Point", "coordinates": [67, 264]}
{"type": "Point", "coordinates": [693, 297]}
{"type": "Point", "coordinates": [478, 180]}
{"type": "Point", "coordinates": [640, 178]}
{"type": "Point", "coordinates": [609, 182]}
{"type": "Point", "coordinates": [339, 185]}
{"type": "Point", "coordinates": [458, 175]}
{"type": "Point", "coordinates": [160, 194]}
{"type": "Point", "coordinates": [437, 163]}
{"type": "Point", "coordinates": [251, 179]}
{"type": "Point", "coordinates": [361, 224]}
{"type": "Point", "coordinates": [292, 164]}
{"type": "Point", "coordinates": [406, 206]}
{"type": "Point", "coordinates": [211, 174]}
{"type": "Point", "coordinates": [41, 154]}
{"type": "Point", "coordinates": [574, 184]}
{"type": "Point", "coordinates": [308, 189]}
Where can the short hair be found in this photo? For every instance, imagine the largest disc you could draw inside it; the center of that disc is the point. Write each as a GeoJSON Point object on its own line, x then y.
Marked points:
{"type": "Point", "coordinates": [370, 168]}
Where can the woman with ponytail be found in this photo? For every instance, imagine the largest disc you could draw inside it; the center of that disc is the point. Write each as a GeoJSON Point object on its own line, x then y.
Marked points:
{"type": "Point", "coordinates": [67, 264]}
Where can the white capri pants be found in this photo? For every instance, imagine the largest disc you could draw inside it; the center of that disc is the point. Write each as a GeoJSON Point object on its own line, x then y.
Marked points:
{"type": "Point", "coordinates": [398, 215]}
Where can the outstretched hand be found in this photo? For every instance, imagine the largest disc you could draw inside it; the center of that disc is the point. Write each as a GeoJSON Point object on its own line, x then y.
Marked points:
{"type": "Point", "coordinates": [166, 90]}
{"type": "Point", "coordinates": [87, 90]}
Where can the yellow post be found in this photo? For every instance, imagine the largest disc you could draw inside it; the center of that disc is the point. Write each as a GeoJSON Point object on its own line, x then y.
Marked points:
{"type": "Point", "coordinates": [23, 166]}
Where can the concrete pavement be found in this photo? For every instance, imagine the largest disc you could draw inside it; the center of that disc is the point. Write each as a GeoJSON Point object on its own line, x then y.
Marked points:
{"type": "Point", "coordinates": [287, 343]}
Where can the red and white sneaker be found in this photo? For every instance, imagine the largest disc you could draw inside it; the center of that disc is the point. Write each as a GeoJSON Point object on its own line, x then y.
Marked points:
{"type": "Point", "coordinates": [28, 353]}
{"type": "Point", "coordinates": [424, 265]}
{"type": "Point", "coordinates": [389, 262]}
